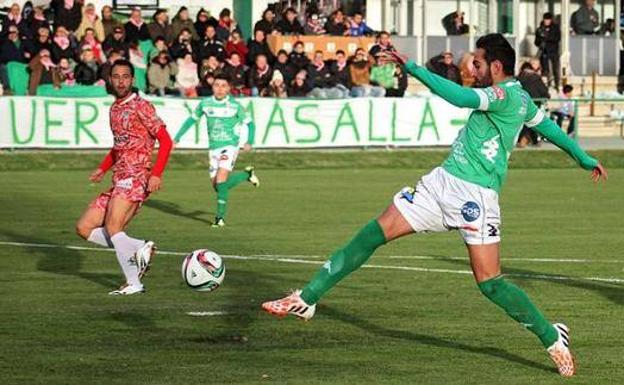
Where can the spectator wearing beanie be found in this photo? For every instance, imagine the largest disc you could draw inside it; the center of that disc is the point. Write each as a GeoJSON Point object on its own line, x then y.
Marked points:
{"type": "Point", "coordinates": [259, 76]}
{"type": "Point", "coordinates": [90, 20]}
{"type": "Point", "coordinates": [284, 67]}
{"type": "Point", "coordinates": [67, 13]}
{"type": "Point", "coordinates": [87, 69]}
{"type": "Point", "coordinates": [203, 19]}
{"type": "Point", "coordinates": [299, 87]}
{"type": "Point", "coordinates": [298, 58]}
{"type": "Point", "coordinates": [160, 74]}
{"type": "Point", "coordinates": [182, 21]}
{"type": "Point", "coordinates": [160, 26]}
{"type": "Point", "coordinates": [258, 46]}
{"type": "Point", "coordinates": [237, 73]}
{"type": "Point", "coordinates": [267, 24]}
{"type": "Point", "coordinates": [210, 46]}
{"type": "Point", "coordinates": [108, 21]}
{"type": "Point", "coordinates": [116, 41]}
{"type": "Point", "coordinates": [186, 78]}
{"type": "Point", "coordinates": [236, 44]}
{"type": "Point", "coordinates": [41, 68]}
{"type": "Point", "coordinates": [336, 25]}
{"type": "Point", "coordinates": [136, 29]}
{"type": "Point", "coordinates": [277, 87]}
{"type": "Point", "coordinates": [289, 25]}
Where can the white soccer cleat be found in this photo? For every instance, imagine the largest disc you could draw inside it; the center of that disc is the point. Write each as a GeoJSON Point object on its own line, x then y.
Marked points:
{"type": "Point", "coordinates": [560, 352]}
{"type": "Point", "coordinates": [127, 289]}
{"type": "Point", "coordinates": [253, 178]}
{"type": "Point", "coordinates": [218, 222]}
{"type": "Point", "coordinates": [293, 304]}
{"type": "Point", "coordinates": [144, 257]}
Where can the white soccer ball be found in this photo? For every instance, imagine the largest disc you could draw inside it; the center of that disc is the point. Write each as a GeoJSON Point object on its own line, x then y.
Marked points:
{"type": "Point", "coordinates": [203, 270]}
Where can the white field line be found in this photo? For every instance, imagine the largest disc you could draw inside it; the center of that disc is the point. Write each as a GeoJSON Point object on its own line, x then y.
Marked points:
{"type": "Point", "coordinates": [300, 259]}
{"type": "Point", "coordinates": [206, 313]}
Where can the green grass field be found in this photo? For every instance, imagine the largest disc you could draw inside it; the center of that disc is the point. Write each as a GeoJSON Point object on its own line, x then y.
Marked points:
{"type": "Point", "coordinates": [414, 316]}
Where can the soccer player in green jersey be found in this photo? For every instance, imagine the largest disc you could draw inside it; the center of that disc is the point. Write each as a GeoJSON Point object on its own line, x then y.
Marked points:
{"type": "Point", "coordinates": [224, 118]}
{"type": "Point", "coordinates": [462, 194]}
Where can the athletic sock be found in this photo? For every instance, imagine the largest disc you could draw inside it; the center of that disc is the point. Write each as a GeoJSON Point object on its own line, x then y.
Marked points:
{"type": "Point", "coordinates": [236, 178]}
{"type": "Point", "coordinates": [222, 198]}
{"type": "Point", "coordinates": [518, 306]}
{"type": "Point", "coordinates": [125, 248]}
{"type": "Point", "coordinates": [99, 236]}
{"type": "Point", "coordinates": [344, 261]}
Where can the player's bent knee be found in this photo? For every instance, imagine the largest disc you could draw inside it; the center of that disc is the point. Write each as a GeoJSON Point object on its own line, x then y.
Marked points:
{"type": "Point", "coordinates": [83, 230]}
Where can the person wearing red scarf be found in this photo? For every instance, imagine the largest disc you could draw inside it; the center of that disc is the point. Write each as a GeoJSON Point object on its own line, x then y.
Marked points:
{"type": "Point", "coordinates": [236, 44]}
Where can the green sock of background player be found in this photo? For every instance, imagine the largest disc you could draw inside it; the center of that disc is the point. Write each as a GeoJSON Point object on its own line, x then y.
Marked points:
{"type": "Point", "coordinates": [223, 190]}
{"type": "Point", "coordinates": [504, 294]}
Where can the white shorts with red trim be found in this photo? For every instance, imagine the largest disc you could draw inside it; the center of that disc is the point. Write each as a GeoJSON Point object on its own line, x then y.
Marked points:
{"type": "Point", "coordinates": [443, 202]}
{"type": "Point", "coordinates": [224, 157]}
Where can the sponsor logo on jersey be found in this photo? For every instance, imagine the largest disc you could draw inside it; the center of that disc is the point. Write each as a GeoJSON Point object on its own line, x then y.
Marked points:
{"type": "Point", "coordinates": [125, 184]}
{"type": "Point", "coordinates": [408, 194]}
{"type": "Point", "coordinates": [471, 211]}
{"type": "Point", "coordinates": [495, 93]}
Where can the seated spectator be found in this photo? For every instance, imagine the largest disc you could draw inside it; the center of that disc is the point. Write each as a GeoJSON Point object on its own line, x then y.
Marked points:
{"type": "Point", "coordinates": [203, 19]}
{"type": "Point", "coordinates": [160, 74]}
{"type": "Point", "coordinates": [259, 76]}
{"type": "Point", "coordinates": [383, 44]}
{"type": "Point", "coordinates": [236, 44]}
{"type": "Point", "coordinates": [182, 45]}
{"type": "Point", "coordinates": [160, 27]}
{"type": "Point", "coordinates": [383, 74]}
{"type": "Point", "coordinates": [566, 111]}
{"type": "Point", "coordinates": [443, 65]}
{"type": "Point", "coordinates": [340, 71]}
{"type": "Point", "coordinates": [186, 78]}
{"type": "Point", "coordinates": [267, 23]}
{"type": "Point", "coordinates": [258, 46]}
{"type": "Point", "coordinates": [237, 73]}
{"type": "Point", "coordinates": [210, 65]}
{"type": "Point", "coordinates": [454, 24]}
{"type": "Point", "coordinates": [13, 49]}
{"type": "Point", "coordinates": [41, 41]}
{"type": "Point", "coordinates": [324, 85]}
{"type": "Point", "coordinates": [298, 58]}
{"type": "Point", "coordinates": [117, 42]}
{"type": "Point", "coordinates": [109, 22]}
{"type": "Point", "coordinates": [62, 46]}
{"type": "Point", "coordinates": [67, 14]}
{"type": "Point", "coordinates": [210, 46]}
{"type": "Point", "coordinates": [182, 21]}
{"type": "Point", "coordinates": [226, 26]}
{"type": "Point", "coordinates": [36, 21]}
{"type": "Point", "coordinates": [40, 68]}
{"type": "Point", "coordinates": [63, 74]}
{"type": "Point", "coordinates": [105, 69]}
{"type": "Point", "coordinates": [289, 25]}
{"type": "Point", "coordinates": [531, 81]}
{"type": "Point", "coordinates": [313, 26]}
{"type": "Point", "coordinates": [14, 18]}
{"type": "Point", "coordinates": [92, 42]}
{"type": "Point", "coordinates": [608, 27]}
{"type": "Point", "coordinates": [358, 27]}
{"type": "Point", "coordinates": [136, 29]}
{"type": "Point", "coordinates": [284, 66]}
{"type": "Point", "coordinates": [87, 69]}
{"type": "Point", "coordinates": [277, 87]}
{"type": "Point", "coordinates": [400, 85]}
{"type": "Point", "coordinates": [90, 20]}
{"type": "Point", "coordinates": [336, 25]}
{"type": "Point", "coordinates": [299, 87]}
{"type": "Point", "coordinates": [360, 76]}
{"type": "Point", "coordinates": [159, 45]}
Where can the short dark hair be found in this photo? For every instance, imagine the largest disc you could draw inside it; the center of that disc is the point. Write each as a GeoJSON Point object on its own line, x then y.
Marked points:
{"type": "Point", "coordinates": [123, 63]}
{"type": "Point", "coordinates": [548, 16]}
{"type": "Point", "coordinates": [339, 52]}
{"type": "Point", "coordinates": [225, 12]}
{"type": "Point", "coordinates": [496, 47]}
{"type": "Point", "coordinates": [567, 89]}
{"type": "Point", "coordinates": [526, 66]}
{"type": "Point", "coordinates": [222, 76]}
{"type": "Point", "coordinates": [282, 52]}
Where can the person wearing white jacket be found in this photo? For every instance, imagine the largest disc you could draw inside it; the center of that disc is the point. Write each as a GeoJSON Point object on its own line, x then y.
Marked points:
{"type": "Point", "coordinates": [187, 79]}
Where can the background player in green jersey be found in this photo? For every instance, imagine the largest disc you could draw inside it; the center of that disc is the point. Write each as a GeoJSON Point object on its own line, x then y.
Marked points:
{"type": "Point", "coordinates": [462, 194]}
{"type": "Point", "coordinates": [224, 118]}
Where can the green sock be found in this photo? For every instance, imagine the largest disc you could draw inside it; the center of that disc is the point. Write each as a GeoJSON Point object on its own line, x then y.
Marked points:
{"type": "Point", "coordinates": [222, 196]}
{"type": "Point", "coordinates": [518, 306]}
{"type": "Point", "coordinates": [344, 261]}
{"type": "Point", "coordinates": [236, 178]}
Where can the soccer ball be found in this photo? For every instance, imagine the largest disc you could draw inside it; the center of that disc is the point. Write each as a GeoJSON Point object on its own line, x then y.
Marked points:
{"type": "Point", "coordinates": [203, 270]}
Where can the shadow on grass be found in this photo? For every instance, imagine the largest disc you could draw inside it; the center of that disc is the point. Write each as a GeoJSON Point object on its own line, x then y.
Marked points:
{"type": "Point", "coordinates": [424, 339]}
{"type": "Point", "coordinates": [134, 319]}
{"type": "Point", "coordinates": [63, 261]}
{"type": "Point", "coordinates": [174, 209]}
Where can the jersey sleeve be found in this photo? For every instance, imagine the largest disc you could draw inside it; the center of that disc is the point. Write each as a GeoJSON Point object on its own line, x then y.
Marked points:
{"type": "Point", "coordinates": [150, 120]}
{"type": "Point", "coordinates": [492, 98]}
{"type": "Point", "coordinates": [245, 120]}
{"type": "Point", "coordinates": [537, 120]}
{"type": "Point", "coordinates": [198, 111]}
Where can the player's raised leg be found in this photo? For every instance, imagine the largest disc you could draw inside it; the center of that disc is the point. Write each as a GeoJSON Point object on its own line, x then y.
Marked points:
{"type": "Point", "coordinates": [119, 213]}
{"type": "Point", "coordinates": [485, 262]}
{"type": "Point", "coordinates": [90, 226]}
{"type": "Point", "coordinates": [388, 226]}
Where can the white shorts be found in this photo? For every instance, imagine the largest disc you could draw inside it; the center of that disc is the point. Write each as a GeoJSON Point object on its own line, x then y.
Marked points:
{"type": "Point", "coordinates": [224, 157]}
{"type": "Point", "coordinates": [443, 202]}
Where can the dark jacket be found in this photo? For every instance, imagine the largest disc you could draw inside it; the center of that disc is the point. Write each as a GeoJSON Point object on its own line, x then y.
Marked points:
{"type": "Point", "coordinates": [38, 75]}
{"type": "Point", "coordinates": [287, 28]}
{"type": "Point", "coordinates": [584, 21]}
{"type": "Point", "coordinates": [136, 34]}
{"type": "Point", "coordinates": [58, 52]}
{"type": "Point", "coordinates": [110, 25]}
{"type": "Point", "coordinates": [155, 30]}
{"type": "Point", "coordinates": [298, 91]}
{"type": "Point", "coordinates": [547, 39]}
{"type": "Point", "coordinates": [9, 51]}
{"type": "Point", "coordinates": [341, 76]}
{"type": "Point", "coordinates": [377, 48]}
{"type": "Point", "coordinates": [265, 26]}
{"type": "Point", "coordinates": [299, 61]}
{"type": "Point", "coordinates": [68, 18]}
{"type": "Point", "coordinates": [399, 91]}
{"type": "Point", "coordinates": [85, 74]}
{"type": "Point", "coordinates": [335, 29]}
{"type": "Point", "coordinates": [320, 78]}
{"type": "Point", "coordinates": [207, 48]}
{"type": "Point", "coordinates": [178, 50]}
{"type": "Point", "coordinates": [448, 22]}
{"type": "Point", "coordinates": [255, 79]}
{"type": "Point", "coordinates": [286, 69]}
{"type": "Point", "coordinates": [35, 46]}
{"type": "Point", "coordinates": [533, 85]}
{"type": "Point", "coordinates": [256, 49]}
{"type": "Point", "coordinates": [120, 45]}
{"type": "Point", "coordinates": [450, 72]}
{"type": "Point", "coordinates": [237, 75]}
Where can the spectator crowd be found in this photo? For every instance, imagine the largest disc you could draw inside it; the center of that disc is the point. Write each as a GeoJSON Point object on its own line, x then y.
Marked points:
{"type": "Point", "coordinates": [71, 43]}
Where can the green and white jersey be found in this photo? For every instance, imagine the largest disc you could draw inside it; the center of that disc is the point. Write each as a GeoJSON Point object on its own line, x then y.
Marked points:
{"type": "Point", "coordinates": [223, 119]}
{"type": "Point", "coordinates": [481, 151]}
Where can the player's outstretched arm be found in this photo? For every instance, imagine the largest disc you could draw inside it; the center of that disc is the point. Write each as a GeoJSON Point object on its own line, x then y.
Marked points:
{"type": "Point", "coordinates": [164, 150]}
{"type": "Point", "coordinates": [188, 123]}
{"type": "Point", "coordinates": [97, 175]}
{"type": "Point", "coordinates": [549, 129]}
{"type": "Point", "coordinates": [452, 92]}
